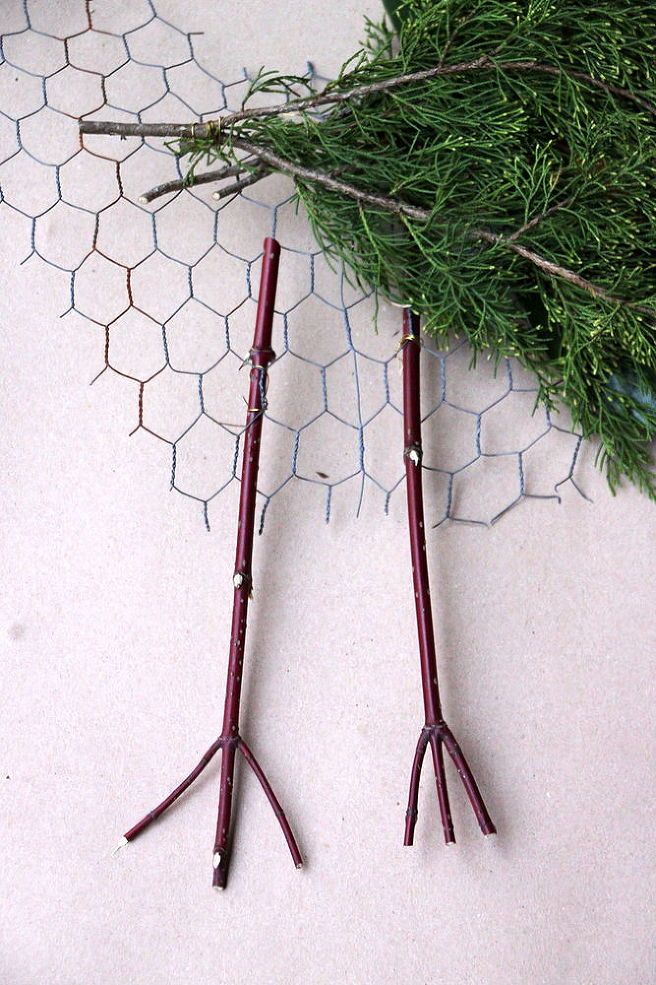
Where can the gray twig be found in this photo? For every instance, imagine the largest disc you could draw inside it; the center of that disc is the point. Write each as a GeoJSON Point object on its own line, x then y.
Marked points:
{"type": "Point", "coordinates": [190, 181]}
{"type": "Point", "coordinates": [238, 186]}
{"type": "Point", "coordinates": [484, 62]}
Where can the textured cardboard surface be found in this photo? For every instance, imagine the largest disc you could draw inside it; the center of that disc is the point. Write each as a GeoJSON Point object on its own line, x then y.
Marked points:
{"type": "Point", "coordinates": [115, 619]}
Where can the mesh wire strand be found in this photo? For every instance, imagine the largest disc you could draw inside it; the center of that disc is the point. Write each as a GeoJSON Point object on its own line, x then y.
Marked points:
{"type": "Point", "coordinates": [171, 288]}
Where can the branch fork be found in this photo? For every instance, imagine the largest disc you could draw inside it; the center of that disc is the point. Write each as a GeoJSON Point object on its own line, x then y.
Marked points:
{"type": "Point", "coordinates": [435, 732]}
{"type": "Point", "coordinates": [440, 736]}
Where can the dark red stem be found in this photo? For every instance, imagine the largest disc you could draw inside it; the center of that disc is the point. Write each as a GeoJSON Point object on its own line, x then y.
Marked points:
{"type": "Point", "coordinates": [230, 740]}
{"type": "Point", "coordinates": [172, 797]}
{"type": "Point", "coordinates": [273, 800]}
{"type": "Point", "coordinates": [261, 356]}
{"type": "Point", "coordinates": [435, 730]}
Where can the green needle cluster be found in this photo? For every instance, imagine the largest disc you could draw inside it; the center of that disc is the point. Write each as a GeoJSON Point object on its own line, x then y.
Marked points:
{"type": "Point", "coordinates": [544, 140]}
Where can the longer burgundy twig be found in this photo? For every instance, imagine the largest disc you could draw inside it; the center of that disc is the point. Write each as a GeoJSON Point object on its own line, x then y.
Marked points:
{"type": "Point", "coordinates": [435, 730]}
{"type": "Point", "coordinates": [230, 740]}
{"type": "Point", "coordinates": [261, 356]}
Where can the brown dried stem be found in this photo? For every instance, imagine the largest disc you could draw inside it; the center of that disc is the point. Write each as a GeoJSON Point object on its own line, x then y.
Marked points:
{"type": "Point", "coordinates": [329, 97]}
{"type": "Point", "coordinates": [191, 181]}
{"type": "Point", "coordinates": [329, 181]}
{"type": "Point", "coordinates": [238, 186]}
{"type": "Point", "coordinates": [536, 220]}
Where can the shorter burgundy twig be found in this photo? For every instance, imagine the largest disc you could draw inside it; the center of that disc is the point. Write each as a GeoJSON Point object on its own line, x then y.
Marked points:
{"type": "Point", "coordinates": [435, 731]}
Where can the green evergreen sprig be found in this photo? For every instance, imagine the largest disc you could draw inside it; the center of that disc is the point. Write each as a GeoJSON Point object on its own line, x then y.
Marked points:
{"type": "Point", "coordinates": [505, 191]}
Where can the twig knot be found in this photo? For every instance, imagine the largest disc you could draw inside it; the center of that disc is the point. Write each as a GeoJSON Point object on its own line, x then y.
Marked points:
{"type": "Point", "coordinates": [414, 453]}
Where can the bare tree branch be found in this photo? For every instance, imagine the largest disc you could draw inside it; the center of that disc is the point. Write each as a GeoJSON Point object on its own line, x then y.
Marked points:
{"type": "Point", "coordinates": [383, 202]}
{"type": "Point", "coordinates": [404, 209]}
{"type": "Point", "coordinates": [206, 178]}
{"type": "Point", "coordinates": [116, 129]}
{"type": "Point", "coordinates": [191, 181]}
{"type": "Point", "coordinates": [607, 87]}
{"type": "Point", "coordinates": [238, 186]}
{"type": "Point", "coordinates": [328, 181]}
{"type": "Point", "coordinates": [485, 62]}
{"type": "Point", "coordinates": [556, 270]}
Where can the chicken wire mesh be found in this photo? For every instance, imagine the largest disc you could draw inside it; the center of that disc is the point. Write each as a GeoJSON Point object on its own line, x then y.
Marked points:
{"type": "Point", "coordinates": [171, 288]}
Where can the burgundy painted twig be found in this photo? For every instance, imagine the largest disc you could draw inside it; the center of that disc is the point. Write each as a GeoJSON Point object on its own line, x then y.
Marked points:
{"type": "Point", "coordinates": [435, 731]}
{"type": "Point", "coordinates": [230, 739]}
{"type": "Point", "coordinates": [261, 356]}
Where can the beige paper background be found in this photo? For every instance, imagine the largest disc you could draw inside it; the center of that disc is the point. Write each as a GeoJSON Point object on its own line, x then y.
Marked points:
{"type": "Point", "coordinates": [115, 620]}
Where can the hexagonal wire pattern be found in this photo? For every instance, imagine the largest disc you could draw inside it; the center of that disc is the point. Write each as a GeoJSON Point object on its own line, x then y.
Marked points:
{"type": "Point", "coordinates": [174, 299]}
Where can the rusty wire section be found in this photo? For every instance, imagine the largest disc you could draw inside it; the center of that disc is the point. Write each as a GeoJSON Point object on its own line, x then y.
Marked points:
{"type": "Point", "coordinates": [171, 288]}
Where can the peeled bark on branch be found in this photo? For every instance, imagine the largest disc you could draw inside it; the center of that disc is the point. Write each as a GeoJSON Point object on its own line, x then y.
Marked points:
{"type": "Point", "coordinates": [435, 731]}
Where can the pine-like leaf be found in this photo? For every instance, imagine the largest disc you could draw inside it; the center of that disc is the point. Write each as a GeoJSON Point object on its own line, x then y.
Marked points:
{"type": "Point", "coordinates": [505, 193]}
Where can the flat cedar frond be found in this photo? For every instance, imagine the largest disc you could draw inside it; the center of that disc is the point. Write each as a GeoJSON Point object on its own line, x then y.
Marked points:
{"type": "Point", "coordinates": [520, 168]}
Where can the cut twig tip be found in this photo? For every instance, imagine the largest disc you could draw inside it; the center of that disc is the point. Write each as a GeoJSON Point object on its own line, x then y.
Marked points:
{"type": "Point", "coordinates": [122, 843]}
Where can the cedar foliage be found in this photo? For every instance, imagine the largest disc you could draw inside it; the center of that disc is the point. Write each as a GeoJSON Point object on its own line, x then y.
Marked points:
{"type": "Point", "coordinates": [552, 161]}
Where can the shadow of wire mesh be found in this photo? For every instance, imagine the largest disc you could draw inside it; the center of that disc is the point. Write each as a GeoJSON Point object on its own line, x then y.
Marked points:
{"type": "Point", "coordinates": [172, 288]}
